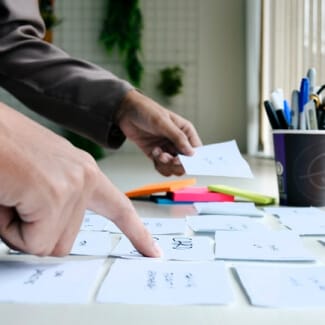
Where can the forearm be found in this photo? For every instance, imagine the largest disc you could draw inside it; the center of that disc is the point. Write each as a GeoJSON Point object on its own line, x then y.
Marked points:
{"type": "Point", "coordinates": [74, 93]}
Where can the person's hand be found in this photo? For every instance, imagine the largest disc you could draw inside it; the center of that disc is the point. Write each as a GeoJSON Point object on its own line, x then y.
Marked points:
{"type": "Point", "coordinates": [45, 186]}
{"type": "Point", "coordinates": [158, 132]}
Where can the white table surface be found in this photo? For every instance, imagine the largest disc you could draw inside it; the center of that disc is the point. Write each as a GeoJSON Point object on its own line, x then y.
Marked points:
{"type": "Point", "coordinates": [128, 171]}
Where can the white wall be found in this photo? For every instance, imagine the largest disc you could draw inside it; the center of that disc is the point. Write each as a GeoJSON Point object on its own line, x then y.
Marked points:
{"type": "Point", "coordinates": [222, 103]}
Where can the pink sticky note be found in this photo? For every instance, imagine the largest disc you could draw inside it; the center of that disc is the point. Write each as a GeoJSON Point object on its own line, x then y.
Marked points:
{"type": "Point", "coordinates": [199, 194]}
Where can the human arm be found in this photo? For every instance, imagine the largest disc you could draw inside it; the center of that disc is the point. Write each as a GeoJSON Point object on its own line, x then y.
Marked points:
{"type": "Point", "coordinates": [85, 97]}
{"type": "Point", "coordinates": [46, 185]}
{"type": "Point", "coordinates": [74, 93]}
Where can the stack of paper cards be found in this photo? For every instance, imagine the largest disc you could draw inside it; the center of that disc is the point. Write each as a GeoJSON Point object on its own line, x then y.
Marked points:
{"type": "Point", "coordinates": [220, 159]}
{"type": "Point", "coordinates": [229, 208]}
{"type": "Point", "coordinates": [304, 221]}
{"type": "Point", "coordinates": [157, 226]}
{"type": "Point", "coordinates": [213, 223]}
{"type": "Point", "coordinates": [64, 282]}
{"type": "Point", "coordinates": [166, 283]}
{"type": "Point", "coordinates": [173, 247]}
{"type": "Point", "coordinates": [263, 246]}
{"type": "Point", "coordinates": [282, 286]}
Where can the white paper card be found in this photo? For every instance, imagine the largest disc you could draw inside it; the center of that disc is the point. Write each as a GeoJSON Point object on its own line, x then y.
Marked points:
{"type": "Point", "coordinates": [157, 282]}
{"type": "Point", "coordinates": [64, 282]}
{"type": "Point", "coordinates": [295, 211]}
{"type": "Point", "coordinates": [157, 226]}
{"type": "Point", "coordinates": [281, 286]}
{"type": "Point", "coordinates": [304, 221]}
{"type": "Point", "coordinates": [265, 246]}
{"type": "Point", "coordinates": [173, 247]}
{"type": "Point", "coordinates": [94, 243]}
{"type": "Point", "coordinates": [322, 242]}
{"type": "Point", "coordinates": [308, 226]}
{"type": "Point", "coordinates": [220, 159]}
{"type": "Point", "coordinates": [212, 223]}
{"type": "Point", "coordinates": [94, 222]}
{"type": "Point", "coordinates": [228, 208]}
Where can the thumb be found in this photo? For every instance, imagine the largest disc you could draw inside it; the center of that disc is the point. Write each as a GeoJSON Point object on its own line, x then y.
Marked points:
{"type": "Point", "coordinates": [9, 228]}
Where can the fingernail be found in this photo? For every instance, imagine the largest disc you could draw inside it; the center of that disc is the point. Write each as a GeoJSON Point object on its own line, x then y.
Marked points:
{"type": "Point", "coordinates": [177, 162]}
{"type": "Point", "coordinates": [189, 151]}
{"type": "Point", "coordinates": [156, 152]}
{"type": "Point", "coordinates": [164, 159]}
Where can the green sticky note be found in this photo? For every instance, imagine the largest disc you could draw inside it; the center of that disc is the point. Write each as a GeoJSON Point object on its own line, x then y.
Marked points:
{"type": "Point", "coordinates": [252, 196]}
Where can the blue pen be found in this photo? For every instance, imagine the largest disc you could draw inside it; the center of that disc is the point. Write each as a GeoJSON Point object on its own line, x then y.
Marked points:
{"type": "Point", "coordinates": [287, 111]}
{"type": "Point", "coordinates": [303, 99]}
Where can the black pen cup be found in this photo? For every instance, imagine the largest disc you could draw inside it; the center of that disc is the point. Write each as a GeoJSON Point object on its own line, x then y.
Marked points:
{"type": "Point", "coordinates": [300, 166]}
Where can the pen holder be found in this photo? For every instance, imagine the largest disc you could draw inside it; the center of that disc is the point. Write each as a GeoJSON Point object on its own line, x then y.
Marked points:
{"type": "Point", "coordinates": [300, 167]}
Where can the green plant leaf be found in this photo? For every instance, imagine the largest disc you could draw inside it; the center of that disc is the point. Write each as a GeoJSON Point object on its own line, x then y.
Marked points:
{"type": "Point", "coordinates": [122, 29]}
{"type": "Point", "coordinates": [171, 81]}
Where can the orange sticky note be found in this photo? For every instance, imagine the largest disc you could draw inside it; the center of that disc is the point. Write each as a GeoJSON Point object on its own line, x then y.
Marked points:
{"type": "Point", "coordinates": [167, 186]}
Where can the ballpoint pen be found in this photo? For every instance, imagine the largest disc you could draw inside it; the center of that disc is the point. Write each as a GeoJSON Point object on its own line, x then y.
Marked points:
{"type": "Point", "coordinates": [278, 103]}
{"type": "Point", "coordinates": [287, 112]}
{"type": "Point", "coordinates": [282, 119]}
{"type": "Point", "coordinates": [295, 109]}
{"type": "Point", "coordinates": [311, 117]}
{"type": "Point", "coordinates": [303, 99]}
{"type": "Point", "coordinates": [271, 114]}
{"type": "Point", "coordinates": [311, 75]}
{"type": "Point", "coordinates": [277, 99]}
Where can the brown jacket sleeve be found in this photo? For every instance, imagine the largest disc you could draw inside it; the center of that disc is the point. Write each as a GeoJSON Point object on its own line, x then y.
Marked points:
{"type": "Point", "coordinates": [77, 94]}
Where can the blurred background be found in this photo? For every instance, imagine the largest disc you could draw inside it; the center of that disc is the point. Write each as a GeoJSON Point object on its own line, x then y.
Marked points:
{"type": "Point", "coordinates": [211, 61]}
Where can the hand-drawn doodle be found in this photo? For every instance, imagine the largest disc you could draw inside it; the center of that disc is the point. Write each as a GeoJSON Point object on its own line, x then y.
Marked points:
{"type": "Point", "coordinates": [189, 280]}
{"type": "Point", "coordinates": [169, 279]}
{"type": "Point", "coordinates": [182, 243]}
{"type": "Point", "coordinates": [151, 279]}
{"type": "Point", "coordinates": [83, 243]}
{"type": "Point", "coordinates": [35, 276]}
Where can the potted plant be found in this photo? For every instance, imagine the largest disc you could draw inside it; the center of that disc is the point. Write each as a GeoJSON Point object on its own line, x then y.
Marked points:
{"type": "Point", "coordinates": [171, 83]}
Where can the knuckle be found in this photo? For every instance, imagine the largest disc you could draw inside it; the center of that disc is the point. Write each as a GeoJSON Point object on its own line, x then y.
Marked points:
{"type": "Point", "coordinates": [81, 176]}
{"type": "Point", "coordinates": [90, 169]}
{"type": "Point", "coordinates": [60, 188]}
{"type": "Point", "coordinates": [87, 173]}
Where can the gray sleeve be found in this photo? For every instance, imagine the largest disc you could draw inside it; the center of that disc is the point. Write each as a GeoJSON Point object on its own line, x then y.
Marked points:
{"type": "Point", "coordinates": [77, 94]}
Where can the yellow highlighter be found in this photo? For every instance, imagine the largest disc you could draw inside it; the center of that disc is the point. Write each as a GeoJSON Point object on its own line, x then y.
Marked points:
{"type": "Point", "coordinates": [252, 196]}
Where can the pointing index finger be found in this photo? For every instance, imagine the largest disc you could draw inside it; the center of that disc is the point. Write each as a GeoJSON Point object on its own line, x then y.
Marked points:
{"type": "Point", "coordinates": [108, 201]}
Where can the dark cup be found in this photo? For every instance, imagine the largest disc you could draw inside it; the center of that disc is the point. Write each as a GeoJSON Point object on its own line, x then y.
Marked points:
{"type": "Point", "coordinates": [300, 167]}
